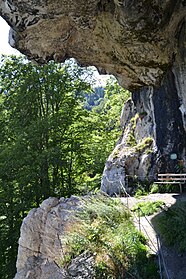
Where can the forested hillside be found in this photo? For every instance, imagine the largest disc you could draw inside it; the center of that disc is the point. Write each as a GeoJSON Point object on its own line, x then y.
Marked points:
{"type": "Point", "coordinates": [94, 99]}
{"type": "Point", "coordinates": [50, 143]}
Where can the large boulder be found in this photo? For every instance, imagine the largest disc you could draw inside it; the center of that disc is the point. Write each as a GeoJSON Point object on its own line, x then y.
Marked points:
{"type": "Point", "coordinates": [41, 244]}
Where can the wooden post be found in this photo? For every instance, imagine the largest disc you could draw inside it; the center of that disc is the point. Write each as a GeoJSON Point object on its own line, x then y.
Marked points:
{"type": "Point", "coordinates": [139, 219]}
{"type": "Point", "coordinates": [180, 187]}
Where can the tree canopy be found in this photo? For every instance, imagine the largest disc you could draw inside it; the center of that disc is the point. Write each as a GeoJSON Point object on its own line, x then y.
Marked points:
{"type": "Point", "coordinates": [50, 143]}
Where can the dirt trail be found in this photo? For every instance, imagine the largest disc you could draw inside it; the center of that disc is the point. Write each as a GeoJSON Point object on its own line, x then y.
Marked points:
{"type": "Point", "coordinates": [175, 262]}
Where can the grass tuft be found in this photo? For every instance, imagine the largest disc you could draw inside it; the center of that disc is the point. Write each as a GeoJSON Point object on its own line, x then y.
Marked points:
{"type": "Point", "coordinates": [172, 226]}
{"type": "Point", "coordinates": [148, 208]}
{"type": "Point", "coordinates": [164, 188]}
{"type": "Point", "coordinates": [104, 227]}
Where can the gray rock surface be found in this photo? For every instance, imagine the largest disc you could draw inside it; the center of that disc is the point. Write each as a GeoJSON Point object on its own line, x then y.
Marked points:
{"type": "Point", "coordinates": [134, 40]}
{"type": "Point", "coordinates": [155, 112]}
{"type": "Point", "coordinates": [41, 247]}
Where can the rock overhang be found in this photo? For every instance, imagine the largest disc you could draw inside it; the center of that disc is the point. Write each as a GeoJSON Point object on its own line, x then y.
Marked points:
{"type": "Point", "coordinates": [134, 40]}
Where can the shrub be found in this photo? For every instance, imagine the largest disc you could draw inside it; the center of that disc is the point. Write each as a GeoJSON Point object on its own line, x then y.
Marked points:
{"type": "Point", "coordinates": [172, 225]}
{"type": "Point", "coordinates": [140, 192]}
{"type": "Point", "coordinates": [104, 228]}
{"type": "Point", "coordinates": [164, 188]}
{"type": "Point", "coordinates": [146, 142]}
{"type": "Point", "coordinates": [148, 208]}
{"type": "Point", "coordinates": [154, 188]}
{"type": "Point", "coordinates": [140, 188]}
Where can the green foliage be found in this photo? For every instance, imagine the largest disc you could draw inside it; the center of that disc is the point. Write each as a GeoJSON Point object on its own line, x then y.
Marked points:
{"type": "Point", "coordinates": [148, 151]}
{"type": "Point", "coordinates": [154, 188]}
{"type": "Point", "coordinates": [164, 188]}
{"type": "Point", "coordinates": [148, 208]}
{"type": "Point", "coordinates": [131, 141]}
{"type": "Point", "coordinates": [146, 142]}
{"type": "Point", "coordinates": [50, 145]}
{"type": "Point", "coordinates": [46, 127]}
{"type": "Point", "coordinates": [140, 187]}
{"type": "Point", "coordinates": [180, 167]}
{"type": "Point", "coordinates": [140, 191]}
{"type": "Point", "coordinates": [42, 133]}
{"type": "Point", "coordinates": [105, 116]}
{"type": "Point", "coordinates": [172, 225]}
{"type": "Point", "coordinates": [95, 98]}
{"type": "Point", "coordinates": [104, 228]}
{"type": "Point", "coordinates": [133, 121]}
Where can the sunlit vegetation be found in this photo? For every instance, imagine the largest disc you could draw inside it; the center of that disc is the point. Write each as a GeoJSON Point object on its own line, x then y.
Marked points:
{"type": "Point", "coordinates": [105, 229]}
{"type": "Point", "coordinates": [172, 226]}
{"type": "Point", "coordinates": [148, 208]}
{"type": "Point", "coordinates": [51, 143]}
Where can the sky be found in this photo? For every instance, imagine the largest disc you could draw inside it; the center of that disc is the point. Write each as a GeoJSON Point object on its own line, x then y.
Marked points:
{"type": "Point", "coordinates": [5, 48]}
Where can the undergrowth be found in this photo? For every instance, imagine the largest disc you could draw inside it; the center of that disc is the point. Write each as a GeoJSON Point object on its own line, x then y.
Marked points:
{"type": "Point", "coordinates": [140, 191]}
{"type": "Point", "coordinates": [104, 228]}
{"type": "Point", "coordinates": [164, 188]}
{"type": "Point", "coordinates": [147, 208]}
{"type": "Point", "coordinates": [172, 226]}
{"type": "Point", "coordinates": [140, 188]}
{"type": "Point", "coordinates": [146, 142]}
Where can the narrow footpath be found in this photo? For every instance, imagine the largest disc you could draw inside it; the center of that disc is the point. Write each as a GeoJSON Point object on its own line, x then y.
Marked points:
{"type": "Point", "coordinates": [175, 262]}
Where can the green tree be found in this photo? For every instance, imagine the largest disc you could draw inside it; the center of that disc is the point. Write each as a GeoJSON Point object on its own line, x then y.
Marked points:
{"type": "Point", "coordinates": [42, 125]}
{"type": "Point", "coordinates": [50, 144]}
{"type": "Point", "coordinates": [106, 130]}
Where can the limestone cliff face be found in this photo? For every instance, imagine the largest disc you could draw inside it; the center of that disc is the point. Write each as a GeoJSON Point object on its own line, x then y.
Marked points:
{"type": "Point", "coordinates": [157, 113]}
{"type": "Point", "coordinates": [135, 40]}
{"type": "Point", "coordinates": [41, 247]}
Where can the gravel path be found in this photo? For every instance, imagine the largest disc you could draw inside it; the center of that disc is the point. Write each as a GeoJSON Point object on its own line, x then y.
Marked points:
{"type": "Point", "coordinates": [175, 262]}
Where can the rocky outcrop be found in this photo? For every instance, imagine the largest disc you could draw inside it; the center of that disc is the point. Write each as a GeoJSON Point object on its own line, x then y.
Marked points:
{"type": "Point", "coordinates": [156, 113]}
{"type": "Point", "coordinates": [42, 245]}
{"type": "Point", "coordinates": [141, 42]}
{"type": "Point", "coordinates": [134, 40]}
